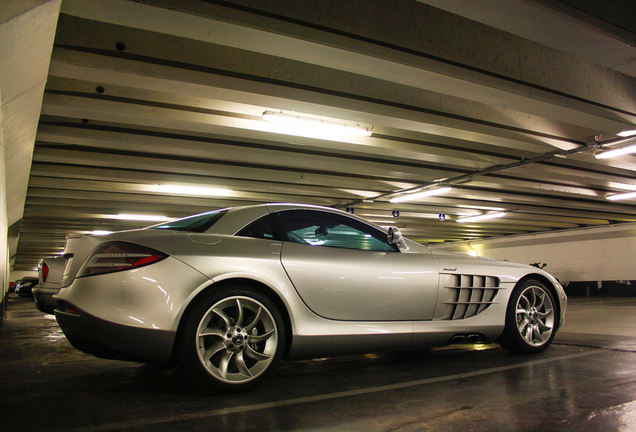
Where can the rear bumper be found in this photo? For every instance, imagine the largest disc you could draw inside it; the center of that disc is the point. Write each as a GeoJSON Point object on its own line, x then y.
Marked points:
{"type": "Point", "coordinates": [44, 300]}
{"type": "Point", "coordinates": [114, 341]}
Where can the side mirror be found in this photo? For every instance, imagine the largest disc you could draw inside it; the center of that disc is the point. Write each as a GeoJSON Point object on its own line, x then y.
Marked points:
{"type": "Point", "coordinates": [394, 237]}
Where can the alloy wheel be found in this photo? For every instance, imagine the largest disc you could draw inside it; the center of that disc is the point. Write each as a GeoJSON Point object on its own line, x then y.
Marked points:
{"type": "Point", "coordinates": [535, 316]}
{"type": "Point", "coordinates": [237, 339]}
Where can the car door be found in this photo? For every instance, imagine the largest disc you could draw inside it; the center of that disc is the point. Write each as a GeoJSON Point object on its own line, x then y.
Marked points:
{"type": "Point", "coordinates": [344, 269]}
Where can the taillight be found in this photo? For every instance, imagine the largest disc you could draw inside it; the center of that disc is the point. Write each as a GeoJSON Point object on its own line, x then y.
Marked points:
{"type": "Point", "coordinates": [45, 272]}
{"type": "Point", "coordinates": [67, 307]}
{"type": "Point", "coordinates": [118, 256]}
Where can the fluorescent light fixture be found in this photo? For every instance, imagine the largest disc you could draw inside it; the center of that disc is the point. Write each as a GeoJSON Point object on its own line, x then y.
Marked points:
{"type": "Point", "coordinates": [616, 152]}
{"type": "Point", "coordinates": [418, 195]}
{"type": "Point", "coordinates": [628, 136]}
{"type": "Point", "coordinates": [627, 133]}
{"type": "Point", "coordinates": [316, 123]}
{"type": "Point", "coordinates": [133, 217]}
{"type": "Point", "coordinates": [194, 190]}
{"type": "Point", "coordinates": [481, 217]}
{"type": "Point", "coordinates": [623, 196]}
{"type": "Point", "coordinates": [496, 209]}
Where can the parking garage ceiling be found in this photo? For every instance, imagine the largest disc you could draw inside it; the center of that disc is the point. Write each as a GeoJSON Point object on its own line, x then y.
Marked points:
{"type": "Point", "coordinates": [504, 101]}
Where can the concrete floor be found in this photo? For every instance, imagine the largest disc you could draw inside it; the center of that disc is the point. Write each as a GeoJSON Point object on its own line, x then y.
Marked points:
{"type": "Point", "coordinates": [585, 382]}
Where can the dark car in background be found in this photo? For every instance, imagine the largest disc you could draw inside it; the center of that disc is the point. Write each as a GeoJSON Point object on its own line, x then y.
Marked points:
{"type": "Point", "coordinates": [25, 286]}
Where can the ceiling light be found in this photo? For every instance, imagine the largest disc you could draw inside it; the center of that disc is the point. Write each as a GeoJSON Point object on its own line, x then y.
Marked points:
{"type": "Point", "coordinates": [331, 125]}
{"type": "Point", "coordinates": [481, 217]}
{"type": "Point", "coordinates": [618, 151]}
{"type": "Point", "coordinates": [194, 190]}
{"type": "Point", "coordinates": [418, 195]}
{"type": "Point", "coordinates": [496, 209]}
{"type": "Point", "coordinates": [627, 133]}
{"type": "Point", "coordinates": [623, 196]}
{"type": "Point", "coordinates": [132, 217]}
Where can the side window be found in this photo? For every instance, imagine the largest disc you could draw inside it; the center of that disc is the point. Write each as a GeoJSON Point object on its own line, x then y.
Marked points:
{"type": "Point", "coordinates": [262, 228]}
{"type": "Point", "coordinates": [196, 223]}
{"type": "Point", "coordinates": [317, 228]}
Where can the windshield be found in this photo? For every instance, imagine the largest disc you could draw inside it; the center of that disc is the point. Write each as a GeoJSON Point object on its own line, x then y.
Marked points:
{"type": "Point", "coordinates": [197, 223]}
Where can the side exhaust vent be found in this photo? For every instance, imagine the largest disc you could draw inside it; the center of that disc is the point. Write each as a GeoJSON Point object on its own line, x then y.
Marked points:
{"type": "Point", "coordinates": [468, 295]}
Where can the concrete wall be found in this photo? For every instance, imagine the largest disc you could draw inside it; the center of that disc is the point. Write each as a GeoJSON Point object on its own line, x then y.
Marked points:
{"type": "Point", "coordinates": [594, 254]}
{"type": "Point", "coordinates": [15, 275]}
{"type": "Point", "coordinates": [27, 31]}
{"type": "Point", "coordinates": [4, 228]}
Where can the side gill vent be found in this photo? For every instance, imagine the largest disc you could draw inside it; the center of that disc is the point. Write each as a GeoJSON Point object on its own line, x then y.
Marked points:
{"type": "Point", "coordinates": [468, 296]}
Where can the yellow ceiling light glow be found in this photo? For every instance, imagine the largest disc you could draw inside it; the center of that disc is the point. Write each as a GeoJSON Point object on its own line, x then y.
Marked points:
{"type": "Point", "coordinates": [331, 125]}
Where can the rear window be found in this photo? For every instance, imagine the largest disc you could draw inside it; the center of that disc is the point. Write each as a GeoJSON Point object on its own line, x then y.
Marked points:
{"type": "Point", "coordinates": [197, 223]}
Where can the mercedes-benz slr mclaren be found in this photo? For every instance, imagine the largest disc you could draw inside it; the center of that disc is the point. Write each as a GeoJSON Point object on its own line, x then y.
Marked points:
{"type": "Point", "coordinates": [229, 293]}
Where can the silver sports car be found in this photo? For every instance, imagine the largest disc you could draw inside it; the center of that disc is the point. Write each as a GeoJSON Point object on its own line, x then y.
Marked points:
{"type": "Point", "coordinates": [231, 292]}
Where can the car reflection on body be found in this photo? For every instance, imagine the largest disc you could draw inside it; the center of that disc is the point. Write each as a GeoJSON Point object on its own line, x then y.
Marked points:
{"type": "Point", "coordinates": [229, 293]}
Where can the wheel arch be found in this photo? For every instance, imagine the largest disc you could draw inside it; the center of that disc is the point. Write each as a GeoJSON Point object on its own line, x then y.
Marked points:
{"type": "Point", "coordinates": [256, 285]}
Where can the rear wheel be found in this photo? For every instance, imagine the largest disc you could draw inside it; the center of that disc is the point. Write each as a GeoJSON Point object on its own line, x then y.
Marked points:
{"type": "Point", "coordinates": [531, 318]}
{"type": "Point", "coordinates": [232, 339]}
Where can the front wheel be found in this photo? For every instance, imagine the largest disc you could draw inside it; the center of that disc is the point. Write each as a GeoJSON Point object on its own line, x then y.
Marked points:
{"type": "Point", "coordinates": [531, 319]}
{"type": "Point", "coordinates": [232, 339]}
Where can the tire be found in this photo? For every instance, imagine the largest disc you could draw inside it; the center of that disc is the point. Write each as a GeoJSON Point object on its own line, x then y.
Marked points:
{"type": "Point", "coordinates": [232, 339]}
{"type": "Point", "coordinates": [531, 318]}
